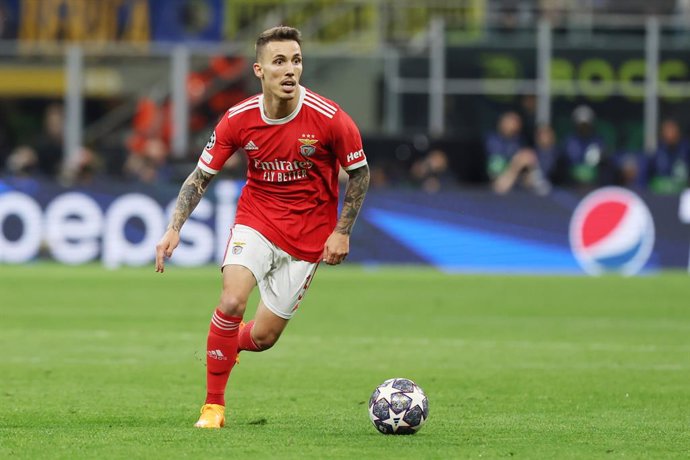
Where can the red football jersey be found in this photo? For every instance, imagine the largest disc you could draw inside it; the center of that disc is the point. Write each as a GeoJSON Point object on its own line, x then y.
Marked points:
{"type": "Point", "coordinates": [291, 194]}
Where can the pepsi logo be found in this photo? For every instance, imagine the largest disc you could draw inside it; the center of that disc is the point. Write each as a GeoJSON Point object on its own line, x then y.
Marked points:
{"type": "Point", "coordinates": [612, 231]}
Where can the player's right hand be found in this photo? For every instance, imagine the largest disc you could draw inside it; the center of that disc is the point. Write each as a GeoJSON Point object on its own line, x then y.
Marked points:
{"type": "Point", "coordinates": [165, 248]}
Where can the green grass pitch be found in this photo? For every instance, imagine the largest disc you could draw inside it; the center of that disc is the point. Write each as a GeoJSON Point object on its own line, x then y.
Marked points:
{"type": "Point", "coordinates": [108, 364]}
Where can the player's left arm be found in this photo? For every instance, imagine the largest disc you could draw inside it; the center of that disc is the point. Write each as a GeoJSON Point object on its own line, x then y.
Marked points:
{"type": "Point", "coordinates": [357, 186]}
{"type": "Point", "coordinates": [337, 246]}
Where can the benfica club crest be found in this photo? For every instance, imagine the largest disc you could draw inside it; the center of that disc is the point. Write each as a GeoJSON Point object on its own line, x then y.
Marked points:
{"type": "Point", "coordinates": [307, 148]}
{"type": "Point", "coordinates": [237, 248]}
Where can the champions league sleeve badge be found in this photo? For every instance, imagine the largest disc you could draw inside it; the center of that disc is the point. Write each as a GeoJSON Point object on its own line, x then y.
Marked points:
{"type": "Point", "coordinates": [212, 141]}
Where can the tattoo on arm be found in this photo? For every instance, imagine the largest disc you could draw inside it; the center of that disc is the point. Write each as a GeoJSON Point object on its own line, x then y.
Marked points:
{"type": "Point", "coordinates": [356, 189]}
{"type": "Point", "coordinates": [191, 192]}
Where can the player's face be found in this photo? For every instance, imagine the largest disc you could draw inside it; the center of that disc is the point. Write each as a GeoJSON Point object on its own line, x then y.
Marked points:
{"type": "Point", "coordinates": [280, 68]}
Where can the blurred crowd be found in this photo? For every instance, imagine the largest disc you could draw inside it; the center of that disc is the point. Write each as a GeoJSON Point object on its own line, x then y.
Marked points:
{"type": "Point", "coordinates": [521, 155]}
{"type": "Point", "coordinates": [516, 155]}
{"type": "Point", "coordinates": [142, 151]}
{"type": "Point", "coordinates": [582, 158]}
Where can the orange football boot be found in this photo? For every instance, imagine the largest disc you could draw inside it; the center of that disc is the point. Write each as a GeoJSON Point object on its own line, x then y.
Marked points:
{"type": "Point", "coordinates": [212, 416]}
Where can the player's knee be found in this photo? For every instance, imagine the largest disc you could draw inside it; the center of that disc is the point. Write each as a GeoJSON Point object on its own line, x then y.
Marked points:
{"type": "Point", "coordinates": [232, 304]}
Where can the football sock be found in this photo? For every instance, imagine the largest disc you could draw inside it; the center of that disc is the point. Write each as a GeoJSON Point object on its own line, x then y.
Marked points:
{"type": "Point", "coordinates": [245, 341]}
{"type": "Point", "coordinates": [221, 351]}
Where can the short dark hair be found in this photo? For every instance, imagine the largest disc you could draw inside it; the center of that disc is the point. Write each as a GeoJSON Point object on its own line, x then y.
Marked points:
{"type": "Point", "coordinates": [277, 34]}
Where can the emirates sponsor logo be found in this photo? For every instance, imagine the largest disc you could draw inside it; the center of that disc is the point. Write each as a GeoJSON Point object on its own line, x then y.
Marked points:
{"type": "Point", "coordinates": [283, 170]}
{"type": "Point", "coordinates": [282, 165]}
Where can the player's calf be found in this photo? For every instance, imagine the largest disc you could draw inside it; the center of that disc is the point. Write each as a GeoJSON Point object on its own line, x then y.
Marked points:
{"type": "Point", "coordinates": [266, 340]}
{"type": "Point", "coordinates": [256, 339]}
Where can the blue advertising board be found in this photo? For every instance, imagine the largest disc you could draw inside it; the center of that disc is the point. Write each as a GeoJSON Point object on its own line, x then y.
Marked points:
{"type": "Point", "coordinates": [567, 232]}
{"type": "Point", "coordinates": [477, 231]}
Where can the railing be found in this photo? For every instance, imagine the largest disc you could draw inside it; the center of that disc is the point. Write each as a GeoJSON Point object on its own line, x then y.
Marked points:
{"type": "Point", "coordinates": [649, 81]}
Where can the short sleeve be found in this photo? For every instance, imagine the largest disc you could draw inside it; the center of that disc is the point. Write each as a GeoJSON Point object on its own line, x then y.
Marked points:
{"type": "Point", "coordinates": [347, 142]}
{"type": "Point", "coordinates": [219, 148]}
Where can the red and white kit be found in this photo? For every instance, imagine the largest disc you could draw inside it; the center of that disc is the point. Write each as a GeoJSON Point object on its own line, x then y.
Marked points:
{"type": "Point", "coordinates": [291, 195]}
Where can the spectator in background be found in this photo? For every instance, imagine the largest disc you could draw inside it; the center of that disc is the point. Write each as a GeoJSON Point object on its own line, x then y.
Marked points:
{"type": "Point", "coordinates": [151, 165]}
{"type": "Point", "coordinates": [628, 166]}
{"type": "Point", "coordinates": [546, 148]}
{"type": "Point", "coordinates": [509, 159]}
{"type": "Point", "coordinates": [83, 168]}
{"type": "Point", "coordinates": [667, 168]}
{"type": "Point", "coordinates": [49, 146]}
{"type": "Point", "coordinates": [22, 162]}
{"type": "Point", "coordinates": [149, 143]}
{"type": "Point", "coordinates": [583, 150]}
{"type": "Point", "coordinates": [210, 91]}
{"type": "Point", "coordinates": [152, 121]}
{"type": "Point", "coordinates": [432, 172]}
{"type": "Point", "coordinates": [44, 156]}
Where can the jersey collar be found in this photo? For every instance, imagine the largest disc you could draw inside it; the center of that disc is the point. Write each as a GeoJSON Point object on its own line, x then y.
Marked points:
{"type": "Point", "coordinates": [280, 121]}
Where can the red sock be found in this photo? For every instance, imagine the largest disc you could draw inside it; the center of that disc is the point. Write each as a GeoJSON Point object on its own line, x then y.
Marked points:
{"type": "Point", "coordinates": [221, 351]}
{"type": "Point", "coordinates": [246, 342]}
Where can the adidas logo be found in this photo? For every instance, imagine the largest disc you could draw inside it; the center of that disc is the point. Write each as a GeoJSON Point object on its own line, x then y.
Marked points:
{"type": "Point", "coordinates": [217, 354]}
{"type": "Point", "coordinates": [251, 146]}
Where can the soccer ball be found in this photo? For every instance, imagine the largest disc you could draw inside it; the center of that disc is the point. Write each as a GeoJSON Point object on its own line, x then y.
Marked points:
{"type": "Point", "coordinates": [398, 406]}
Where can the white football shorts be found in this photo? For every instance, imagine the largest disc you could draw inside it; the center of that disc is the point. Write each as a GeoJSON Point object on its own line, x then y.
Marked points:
{"type": "Point", "coordinates": [282, 279]}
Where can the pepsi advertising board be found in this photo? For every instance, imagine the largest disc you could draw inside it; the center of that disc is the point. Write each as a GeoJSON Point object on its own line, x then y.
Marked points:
{"type": "Point", "coordinates": [609, 230]}
{"type": "Point", "coordinates": [612, 230]}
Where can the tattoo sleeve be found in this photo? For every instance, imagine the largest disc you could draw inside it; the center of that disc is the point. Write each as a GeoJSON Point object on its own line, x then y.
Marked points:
{"type": "Point", "coordinates": [357, 186]}
{"type": "Point", "coordinates": [191, 192]}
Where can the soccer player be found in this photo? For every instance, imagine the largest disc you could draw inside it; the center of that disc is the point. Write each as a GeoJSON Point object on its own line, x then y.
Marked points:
{"type": "Point", "coordinates": [286, 220]}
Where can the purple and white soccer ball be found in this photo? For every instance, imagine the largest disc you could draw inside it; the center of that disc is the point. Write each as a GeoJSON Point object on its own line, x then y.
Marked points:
{"type": "Point", "coordinates": [398, 406]}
